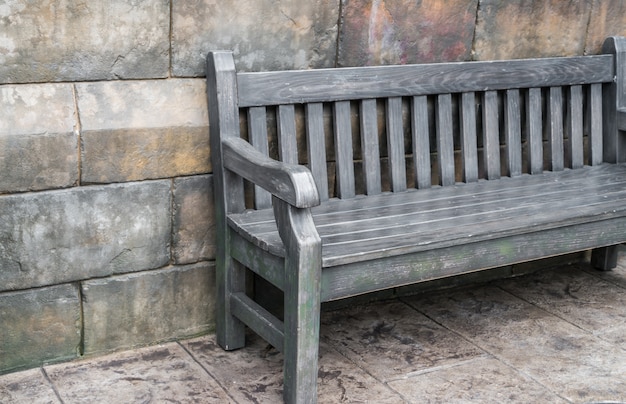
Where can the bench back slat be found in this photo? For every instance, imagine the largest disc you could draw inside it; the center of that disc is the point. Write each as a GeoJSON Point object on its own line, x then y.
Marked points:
{"type": "Point", "coordinates": [445, 140]}
{"type": "Point", "coordinates": [534, 125]}
{"type": "Point", "coordinates": [395, 144]}
{"type": "Point", "coordinates": [370, 147]}
{"type": "Point", "coordinates": [257, 132]}
{"type": "Point", "coordinates": [574, 126]}
{"type": "Point", "coordinates": [420, 131]}
{"type": "Point", "coordinates": [595, 123]}
{"type": "Point", "coordinates": [555, 127]}
{"type": "Point", "coordinates": [469, 148]}
{"type": "Point", "coordinates": [322, 85]}
{"type": "Point", "coordinates": [344, 159]}
{"type": "Point", "coordinates": [287, 144]}
{"type": "Point", "coordinates": [513, 132]}
{"type": "Point", "coordinates": [491, 135]}
{"type": "Point", "coordinates": [316, 147]}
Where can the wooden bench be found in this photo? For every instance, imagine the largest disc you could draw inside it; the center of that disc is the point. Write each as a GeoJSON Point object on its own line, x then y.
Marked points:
{"type": "Point", "coordinates": [376, 177]}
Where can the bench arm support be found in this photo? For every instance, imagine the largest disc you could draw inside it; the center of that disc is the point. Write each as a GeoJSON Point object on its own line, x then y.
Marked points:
{"type": "Point", "coordinates": [291, 183]}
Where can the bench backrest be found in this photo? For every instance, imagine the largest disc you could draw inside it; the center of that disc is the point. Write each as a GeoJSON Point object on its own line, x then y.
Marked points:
{"type": "Point", "coordinates": [389, 128]}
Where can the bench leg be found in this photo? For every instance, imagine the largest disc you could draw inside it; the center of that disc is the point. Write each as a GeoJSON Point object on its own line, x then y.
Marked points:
{"type": "Point", "coordinates": [604, 258]}
{"type": "Point", "coordinates": [230, 278]}
{"type": "Point", "coordinates": [301, 349]}
{"type": "Point", "coordinates": [303, 260]}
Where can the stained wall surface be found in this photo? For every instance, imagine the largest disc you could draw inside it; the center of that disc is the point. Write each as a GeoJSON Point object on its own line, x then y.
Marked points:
{"type": "Point", "coordinates": [106, 213]}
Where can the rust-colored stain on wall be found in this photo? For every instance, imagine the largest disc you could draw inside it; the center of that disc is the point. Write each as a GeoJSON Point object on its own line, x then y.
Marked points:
{"type": "Point", "coordinates": [391, 32]}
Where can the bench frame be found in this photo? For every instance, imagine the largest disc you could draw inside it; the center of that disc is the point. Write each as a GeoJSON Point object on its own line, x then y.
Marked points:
{"type": "Point", "coordinates": [291, 189]}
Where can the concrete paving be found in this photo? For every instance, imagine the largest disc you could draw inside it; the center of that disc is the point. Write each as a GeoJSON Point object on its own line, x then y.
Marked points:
{"type": "Point", "coordinates": [555, 336]}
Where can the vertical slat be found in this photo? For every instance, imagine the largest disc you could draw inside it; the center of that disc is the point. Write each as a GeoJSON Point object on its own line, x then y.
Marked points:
{"type": "Point", "coordinates": [370, 147]}
{"type": "Point", "coordinates": [555, 118]}
{"type": "Point", "coordinates": [395, 144]}
{"type": "Point", "coordinates": [287, 146]}
{"type": "Point", "coordinates": [420, 139]}
{"type": "Point", "coordinates": [574, 126]}
{"type": "Point", "coordinates": [316, 147]}
{"type": "Point", "coordinates": [491, 135]}
{"type": "Point", "coordinates": [257, 133]}
{"type": "Point", "coordinates": [594, 103]}
{"type": "Point", "coordinates": [513, 128]}
{"type": "Point", "coordinates": [534, 128]}
{"type": "Point", "coordinates": [445, 142]}
{"type": "Point", "coordinates": [343, 149]}
{"type": "Point", "coordinates": [469, 150]}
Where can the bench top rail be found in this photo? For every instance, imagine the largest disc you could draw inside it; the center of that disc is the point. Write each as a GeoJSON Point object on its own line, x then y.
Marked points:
{"type": "Point", "coordinates": [324, 85]}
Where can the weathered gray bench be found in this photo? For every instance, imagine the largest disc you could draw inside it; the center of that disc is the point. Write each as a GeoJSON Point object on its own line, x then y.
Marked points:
{"type": "Point", "coordinates": [379, 177]}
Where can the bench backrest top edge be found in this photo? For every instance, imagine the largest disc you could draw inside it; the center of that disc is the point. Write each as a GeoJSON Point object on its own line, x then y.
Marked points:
{"type": "Point", "coordinates": [337, 84]}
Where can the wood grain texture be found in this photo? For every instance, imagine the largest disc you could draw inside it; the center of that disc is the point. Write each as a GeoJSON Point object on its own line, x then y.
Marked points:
{"type": "Point", "coordinates": [534, 126]}
{"type": "Point", "coordinates": [445, 140]}
{"type": "Point", "coordinates": [303, 274]}
{"type": "Point", "coordinates": [469, 150]}
{"type": "Point", "coordinates": [323, 85]}
{"type": "Point", "coordinates": [574, 126]}
{"type": "Point", "coordinates": [361, 230]}
{"type": "Point", "coordinates": [344, 155]}
{"type": "Point", "coordinates": [228, 193]}
{"type": "Point", "coordinates": [287, 142]}
{"type": "Point", "coordinates": [421, 142]}
{"type": "Point", "coordinates": [596, 142]}
{"type": "Point", "coordinates": [513, 132]}
{"type": "Point", "coordinates": [357, 278]}
{"type": "Point", "coordinates": [370, 146]}
{"type": "Point", "coordinates": [257, 132]}
{"type": "Point", "coordinates": [614, 97]}
{"type": "Point", "coordinates": [491, 135]}
{"type": "Point", "coordinates": [395, 144]}
{"type": "Point", "coordinates": [316, 147]}
{"type": "Point", "coordinates": [259, 319]}
{"type": "Point", "coordinates": [289, 182]}
{"type": "Point", "coordinates": [555, 133]}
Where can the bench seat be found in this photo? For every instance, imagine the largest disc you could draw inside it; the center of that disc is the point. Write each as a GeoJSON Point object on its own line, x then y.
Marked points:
{"type": "Point", "coordinates": [369, 228]}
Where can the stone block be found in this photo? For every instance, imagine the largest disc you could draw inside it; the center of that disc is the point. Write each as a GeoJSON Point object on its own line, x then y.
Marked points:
{"type": "Point", "coordinates": [135, 130]}
{"type": "Point", "coordinates": [149, 307]}
{"type": "Point", "coordinates": [62, 236]}
{"type": "Point", "coordinates": [608, 18]}
{"type": "Point", "coordinates": [537, 28]}
{"type": "Point", "coordinates": [38, 138]}
{"type": "Point", "coordinates": [39, 325]}
{"type": "Point", "coordinates": [51, 40]}
{"type": "Point", "coordinates": [193, 230]}
{"type": "Point", "coordinates": [381, 32]}
{"type": "Point", "coordinates": [264, 35]}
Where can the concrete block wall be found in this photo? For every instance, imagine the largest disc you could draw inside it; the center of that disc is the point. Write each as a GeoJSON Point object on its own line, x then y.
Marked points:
{"type": "Point", "coordinates": [106, 215]}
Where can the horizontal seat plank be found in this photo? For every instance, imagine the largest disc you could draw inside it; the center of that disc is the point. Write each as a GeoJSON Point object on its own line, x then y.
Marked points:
{"type": "Point", "coordinates": [393, 224]}
{"type": "Point", "coordinates": [335, 210]}
{"type": "Point", "coordinates": [328, 85]}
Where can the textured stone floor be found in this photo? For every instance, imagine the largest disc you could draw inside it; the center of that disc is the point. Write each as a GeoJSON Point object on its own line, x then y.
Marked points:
{"type": "Point", "coordinates": [555, 336]}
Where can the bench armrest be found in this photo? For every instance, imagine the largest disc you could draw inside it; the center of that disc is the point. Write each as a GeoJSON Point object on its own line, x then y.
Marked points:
{"type": "Point", "coordinates": [291, 183]}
